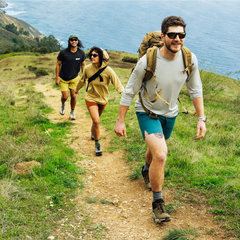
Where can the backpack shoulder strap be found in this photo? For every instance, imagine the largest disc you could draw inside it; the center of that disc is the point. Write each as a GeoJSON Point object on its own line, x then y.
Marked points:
{"type": "Point", "coordinates": [187, 58]}
{"type": "Point", "coordinates": [151, 62]}
{"type": "Point", "coordinates": [151, 66]}
{"type": "Point", "coordinates": [95, 75]}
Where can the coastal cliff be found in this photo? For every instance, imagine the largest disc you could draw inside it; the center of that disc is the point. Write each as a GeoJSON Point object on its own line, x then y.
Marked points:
{"type": "Point", "coordinates": [3, 4]}
{"type": "Point", "coordinates": [5, 20]}
{"type": "Point", "coordinates": [9, 39]}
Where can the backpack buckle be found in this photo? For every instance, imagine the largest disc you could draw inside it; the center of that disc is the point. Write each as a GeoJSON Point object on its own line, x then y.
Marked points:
{"type": "Point", "coordinates": [187, 68]}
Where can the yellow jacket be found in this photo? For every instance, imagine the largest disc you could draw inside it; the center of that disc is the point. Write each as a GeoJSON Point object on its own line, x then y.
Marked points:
{"type": "Point", "coordinates": [98, 92]}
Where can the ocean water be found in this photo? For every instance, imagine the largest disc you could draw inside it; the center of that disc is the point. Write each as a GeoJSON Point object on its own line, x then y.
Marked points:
{"type": "Point", "coordinates": [213, 28]}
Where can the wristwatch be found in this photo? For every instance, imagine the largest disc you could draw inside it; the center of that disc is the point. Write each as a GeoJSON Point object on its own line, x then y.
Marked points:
{"type": "Point", "coordinates": [202, 118]}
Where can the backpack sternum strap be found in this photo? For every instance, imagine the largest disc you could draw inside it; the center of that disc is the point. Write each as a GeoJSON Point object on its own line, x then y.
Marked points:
{"type": "Point", "coordinates": [156, 98]}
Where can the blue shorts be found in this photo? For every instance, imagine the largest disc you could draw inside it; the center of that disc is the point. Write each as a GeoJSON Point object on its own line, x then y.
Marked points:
{"type": "Point", "coordinates": [162, 125]}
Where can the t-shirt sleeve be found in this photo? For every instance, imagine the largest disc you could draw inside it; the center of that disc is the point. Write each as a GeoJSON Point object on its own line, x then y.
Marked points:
{"type": "Point", "coordinates": [82, 55]}
{"type": "Point", "coordinates": [134, 83]}
{"type": "Point", "coordinates": [60, 56]}
{"type": "Point", "coordinates": [194, 83]}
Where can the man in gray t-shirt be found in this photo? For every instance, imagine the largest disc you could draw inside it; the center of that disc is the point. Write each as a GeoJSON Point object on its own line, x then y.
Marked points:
{"type": "Point", "coordinates": [170, 78]}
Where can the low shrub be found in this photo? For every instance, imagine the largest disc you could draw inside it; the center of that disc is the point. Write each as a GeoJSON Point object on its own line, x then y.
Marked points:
{"type": "Point", "coordinates": [130, 59]}
{"type": "Point", "coordinates": [40, 72]}
{"type": "Point", "coordinates": [32, 68]}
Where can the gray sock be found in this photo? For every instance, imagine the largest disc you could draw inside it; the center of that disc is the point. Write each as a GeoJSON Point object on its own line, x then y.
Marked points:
{"type": "Point", "coordinates": [157, 195]}
{"type": "Point", "coordinates": [146, 167]}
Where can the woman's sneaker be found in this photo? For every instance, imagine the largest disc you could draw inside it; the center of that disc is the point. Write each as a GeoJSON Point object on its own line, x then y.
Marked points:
{"type": "Point", "coordinates": [62, 109]}
{"type": "Point", "coordinates": [72, 115]}
{"type": "Point", "coordinates": [159, 213]}
{"type": "Point", "coordinates": [145, 176]}
{"type": "Point", "coordinates": [98, 150]}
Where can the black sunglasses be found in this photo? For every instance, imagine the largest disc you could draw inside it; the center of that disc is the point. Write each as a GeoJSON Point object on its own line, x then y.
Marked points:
{"type": "Point", "coordinates": [94, 55]}
{"type": "Point", "coordinates": [74, 39]}
{"type": "Point", "coordinates": [173, 35]}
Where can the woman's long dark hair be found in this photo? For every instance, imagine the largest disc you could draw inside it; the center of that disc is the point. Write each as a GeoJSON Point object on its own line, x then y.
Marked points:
{"type": "Point", "coordinates": [100, 53]}
{"type": "Point", "coordinates": [79, 44]}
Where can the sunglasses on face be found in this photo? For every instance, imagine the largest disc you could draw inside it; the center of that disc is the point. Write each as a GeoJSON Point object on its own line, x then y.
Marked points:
{"type": "Point", "coordinates": [173, 35]}
{"type": "Point", "coordinates": [94, 55]}
{"type": "Point", "coordinates": [73, 39]}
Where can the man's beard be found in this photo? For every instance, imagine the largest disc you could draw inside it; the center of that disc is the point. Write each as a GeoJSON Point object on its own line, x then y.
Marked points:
{"type": "Point", "coordinates": [168, 46]}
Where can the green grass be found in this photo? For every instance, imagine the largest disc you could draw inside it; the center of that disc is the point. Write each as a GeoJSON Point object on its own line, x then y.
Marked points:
{"type": "Point", "coordinates": [33, 204]}
{"type": "Point", "coordinates": [183, 234]}
{"type": "Point", "coordinates": [2, 56]}
{"type": "Point", "coordinates": [95, 200]}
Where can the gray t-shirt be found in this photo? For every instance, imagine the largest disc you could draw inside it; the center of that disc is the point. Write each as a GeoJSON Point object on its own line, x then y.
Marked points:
{"type": "Point", "coordinates": [169, 78]}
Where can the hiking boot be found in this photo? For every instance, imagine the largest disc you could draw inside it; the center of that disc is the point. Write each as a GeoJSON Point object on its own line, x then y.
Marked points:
{"type": "Point", "coordinates": [62, 109]}
{"type": "Point", "coordinates": [146, 179]}
{"type": "Point", "coordinates": [72, 115]}
{"type": "Point", "coordinates": [98, 150]}
{"type": "Point", "coordinates": [92, 137]}
{"type": "Point", "coordinates": [159, 213]}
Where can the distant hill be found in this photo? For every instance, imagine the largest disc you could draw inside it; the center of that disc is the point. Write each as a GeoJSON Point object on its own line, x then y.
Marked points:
{"type": "Point", "coordinates": [9, 39]}
{"type": "Point", "coordinates": [3, 4]}
{"type": "Point", "coordinates": [5, 20]}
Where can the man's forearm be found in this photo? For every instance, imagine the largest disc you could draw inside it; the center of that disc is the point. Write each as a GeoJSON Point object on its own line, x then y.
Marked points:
{"type": "Point", "coordinates": [57, 70]}
{"type": "Point", "coordinates": [122, 113]}
{"type": "Point", "coordinates": [201, 127]}
{"type": "Point", "coordinates": [198, 105]}
{"type": "Point", "coordinates": [120, 128]}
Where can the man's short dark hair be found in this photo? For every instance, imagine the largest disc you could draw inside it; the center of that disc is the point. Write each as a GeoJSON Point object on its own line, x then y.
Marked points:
{"type": "Point", "coordinates": [172, 21]}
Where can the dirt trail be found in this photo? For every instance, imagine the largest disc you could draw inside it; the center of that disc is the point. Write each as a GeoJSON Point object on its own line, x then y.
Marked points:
{"type": "Point", "coordinates": [130, 215]}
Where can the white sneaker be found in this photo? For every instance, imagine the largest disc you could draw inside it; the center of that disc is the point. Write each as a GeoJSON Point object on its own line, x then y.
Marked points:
{"type": "Point", "coordinates": [72, 115]}
{"type": "Point", "coordinates": [62, 109]}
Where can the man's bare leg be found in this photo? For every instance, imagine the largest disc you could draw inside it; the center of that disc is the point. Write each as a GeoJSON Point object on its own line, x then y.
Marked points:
{"type": "Point", "coordinates": [63, 100]}
{"type": "Point", "coordinates": [157, 155]}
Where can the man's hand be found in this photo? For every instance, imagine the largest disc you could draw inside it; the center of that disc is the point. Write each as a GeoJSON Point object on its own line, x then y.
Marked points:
{"type": "Point", "coordinates": [120, 129]}
{"type": "Point", "coordinates": [57, 82]}
{"type": "Point", "coordinates": [201, 127]}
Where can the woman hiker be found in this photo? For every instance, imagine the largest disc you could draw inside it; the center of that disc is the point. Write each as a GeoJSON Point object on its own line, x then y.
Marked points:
{"type": "Point", "coordinates": [98, 77]}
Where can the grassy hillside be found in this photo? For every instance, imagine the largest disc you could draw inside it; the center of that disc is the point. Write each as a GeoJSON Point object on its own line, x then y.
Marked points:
{"type": "Point", "coordinates": [200, 172]}
{"type": "Point", "coordinates": [7, 40]}
{"type": "Point", "coordinates": [5, 20]}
